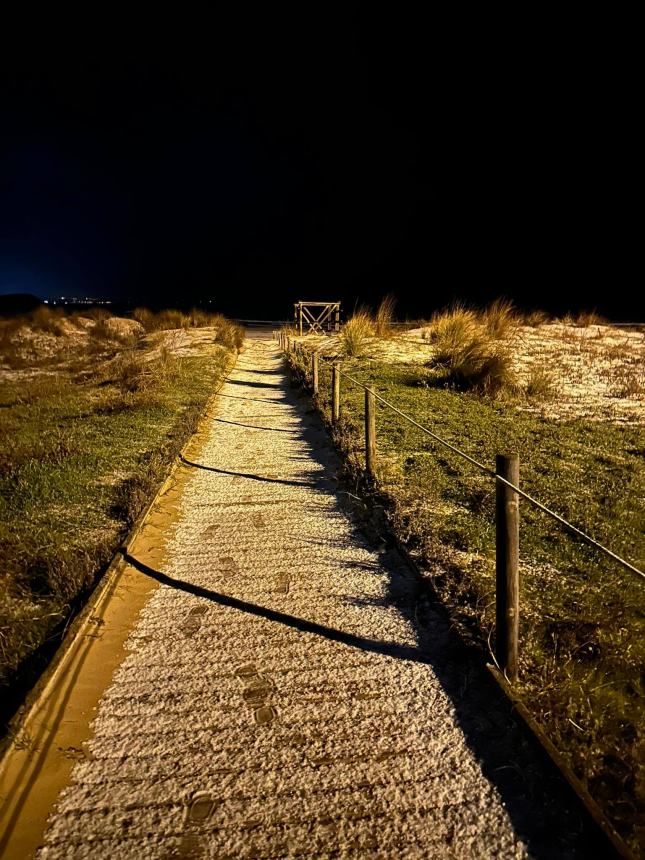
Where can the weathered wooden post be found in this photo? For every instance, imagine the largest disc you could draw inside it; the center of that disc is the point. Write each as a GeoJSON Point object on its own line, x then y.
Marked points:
{"type": "Point", "coordinates": [335, 392]}
{"type": "Point", "coordinates": [314, 371]}
{"type": "Point", "coordinates": [288, 344]}
{"type": "Point", "coordinates": [370, 432]}
{"type": "Point", "coordinates": [507, 552]}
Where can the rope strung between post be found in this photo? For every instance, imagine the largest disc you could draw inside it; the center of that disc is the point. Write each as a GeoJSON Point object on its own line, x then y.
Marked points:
{"type": "Point", "coordinates": [587, 538]}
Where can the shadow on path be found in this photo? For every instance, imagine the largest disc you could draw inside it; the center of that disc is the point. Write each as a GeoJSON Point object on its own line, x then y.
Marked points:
{"type": "Point", "coordinates": [254, 399]}
{"type": "Point", "coordinates": [313, 485]}
{"type": "Point", "coordinates": [254, 426]}
{"type": "Point", "coordinates": [544, 811]}
{"type": "Point", "coordinates": [389, 649]}
{"type": "Point", "coordinates": [251, 384]}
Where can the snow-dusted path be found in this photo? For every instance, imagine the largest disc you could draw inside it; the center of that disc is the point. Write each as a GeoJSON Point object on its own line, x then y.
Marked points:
{"type": "Point", "coordinates": [275, 700]}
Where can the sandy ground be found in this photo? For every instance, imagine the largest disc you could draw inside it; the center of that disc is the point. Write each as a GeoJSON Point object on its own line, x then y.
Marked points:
{"type": "Point", "coordinates": [48, 354]}
{"type": "Point", "coordinates": [286, 690]}
{"type": "Point", "coordinates": [597, 371]}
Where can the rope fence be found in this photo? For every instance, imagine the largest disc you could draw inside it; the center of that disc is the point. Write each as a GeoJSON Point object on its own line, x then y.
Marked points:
{"type": "Point", "coordinates": [508, 492]}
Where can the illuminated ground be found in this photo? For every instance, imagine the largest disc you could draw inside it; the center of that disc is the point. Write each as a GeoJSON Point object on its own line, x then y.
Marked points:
{"type": "Point", "coordinates": [279, 695]}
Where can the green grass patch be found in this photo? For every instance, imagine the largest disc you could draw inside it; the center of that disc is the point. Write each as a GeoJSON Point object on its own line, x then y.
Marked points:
{"type": "Point", "coordinates": [80, 461]}
{"type": "Point", "coordinates": [582, 616]}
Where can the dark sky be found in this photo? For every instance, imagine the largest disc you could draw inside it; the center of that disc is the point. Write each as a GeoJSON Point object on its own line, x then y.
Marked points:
{"type": "Point", "coordinates": [334, 153]}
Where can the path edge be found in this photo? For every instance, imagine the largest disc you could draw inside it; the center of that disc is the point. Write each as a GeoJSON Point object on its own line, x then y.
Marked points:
{"type": "Point", "coordinates": [36, 696]}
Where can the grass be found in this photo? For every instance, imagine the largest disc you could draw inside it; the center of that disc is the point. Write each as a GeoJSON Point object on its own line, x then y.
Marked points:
{"type": "Point", "coordinates": [229, 333]}
{"type": "Point", "coordinates": [584, 318]}
{"type": "Point", "coordinates": [83, 453]}
{"type": "Point", "coordinates": [384, 317]}
{"type": "Point", "coordinates": [356, 333]}
{"type": "Point", "coordinates": [472, 349]}
{"type": "Point", "coordinates": [582, 619]}
{"type": "Point", "coordinates": [42, 337]}
{"type": "Point", "coordinates": [541, 383]}
{"type": "Point", "coordinates": [536, 318]}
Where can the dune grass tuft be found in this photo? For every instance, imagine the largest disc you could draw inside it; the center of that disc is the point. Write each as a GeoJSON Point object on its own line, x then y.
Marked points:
{"type": "Point", "coordinates": [384, 317]}
{"type": "Point", "coordinates": [229, 334]}
{"type": "Point", "coordinates": [472, 350]}
{"type": "Point", "coordinates": [356, 333]}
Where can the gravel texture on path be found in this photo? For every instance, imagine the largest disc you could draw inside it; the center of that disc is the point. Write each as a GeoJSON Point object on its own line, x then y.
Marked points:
{"type": "Point", "coordinates": [277, 698]}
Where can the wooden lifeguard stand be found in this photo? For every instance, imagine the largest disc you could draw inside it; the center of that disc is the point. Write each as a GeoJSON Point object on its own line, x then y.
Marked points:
{"type": "Point", "coordinates": [317, 317]}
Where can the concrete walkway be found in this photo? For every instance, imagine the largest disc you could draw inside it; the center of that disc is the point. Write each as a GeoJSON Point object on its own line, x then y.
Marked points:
{"type": "Point", "coordinates": [275, 699]}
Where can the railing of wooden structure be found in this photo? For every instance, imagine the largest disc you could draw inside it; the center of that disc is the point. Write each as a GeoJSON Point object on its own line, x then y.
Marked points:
{"type": "Point", "coordinates": [317, 317]}
{"type": "Point", "coordinates": [508, 494]}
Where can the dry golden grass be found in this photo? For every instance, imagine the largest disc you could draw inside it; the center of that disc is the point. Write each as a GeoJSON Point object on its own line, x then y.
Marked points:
{"type": "Point", "coordinates": [356, 333]}
{"type": "Point", "coordinates": [536, 318]}
{"type": "Point", "coordinates": [584, 319]}
{"type": "Point", "coordinates": [48, 320]}
{"type": "Point", "coordinates": [229, 334]}
{"type": "Point", "coordinates": [500, 320]}
{"type": "Point", "coordinates": [540, 384]}
{"type": "Point", "coordinates": [472, 350]}
{"type": "Point", "coordinates": [384, 317]}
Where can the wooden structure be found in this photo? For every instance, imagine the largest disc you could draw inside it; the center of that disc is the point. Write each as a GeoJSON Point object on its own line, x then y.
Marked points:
{"type": "Point", "coordinates": [317, 317]}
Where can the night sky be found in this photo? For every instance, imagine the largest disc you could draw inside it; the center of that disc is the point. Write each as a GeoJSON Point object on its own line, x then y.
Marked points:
{"type": "Point", "coordinates": [339, 153]}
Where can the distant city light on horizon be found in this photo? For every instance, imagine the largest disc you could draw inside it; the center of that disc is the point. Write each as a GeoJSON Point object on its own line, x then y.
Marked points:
{"type": "Point", "coordinates": [73, 300]}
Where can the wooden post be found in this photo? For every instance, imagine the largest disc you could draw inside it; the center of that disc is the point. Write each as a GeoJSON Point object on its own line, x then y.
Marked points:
{"type": "Point", "coordinates": [314, 371]}
{"type": "Point", "coordinates": [370, 432]}
{"type": "Point", "coordinates": [335, 392]}
{"type": "Point", "coordinates": [507, 551]}
{"type": "Point", "coordinates": [288, 344]}
{"type": "Point", "coordinates": [300, 320]}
